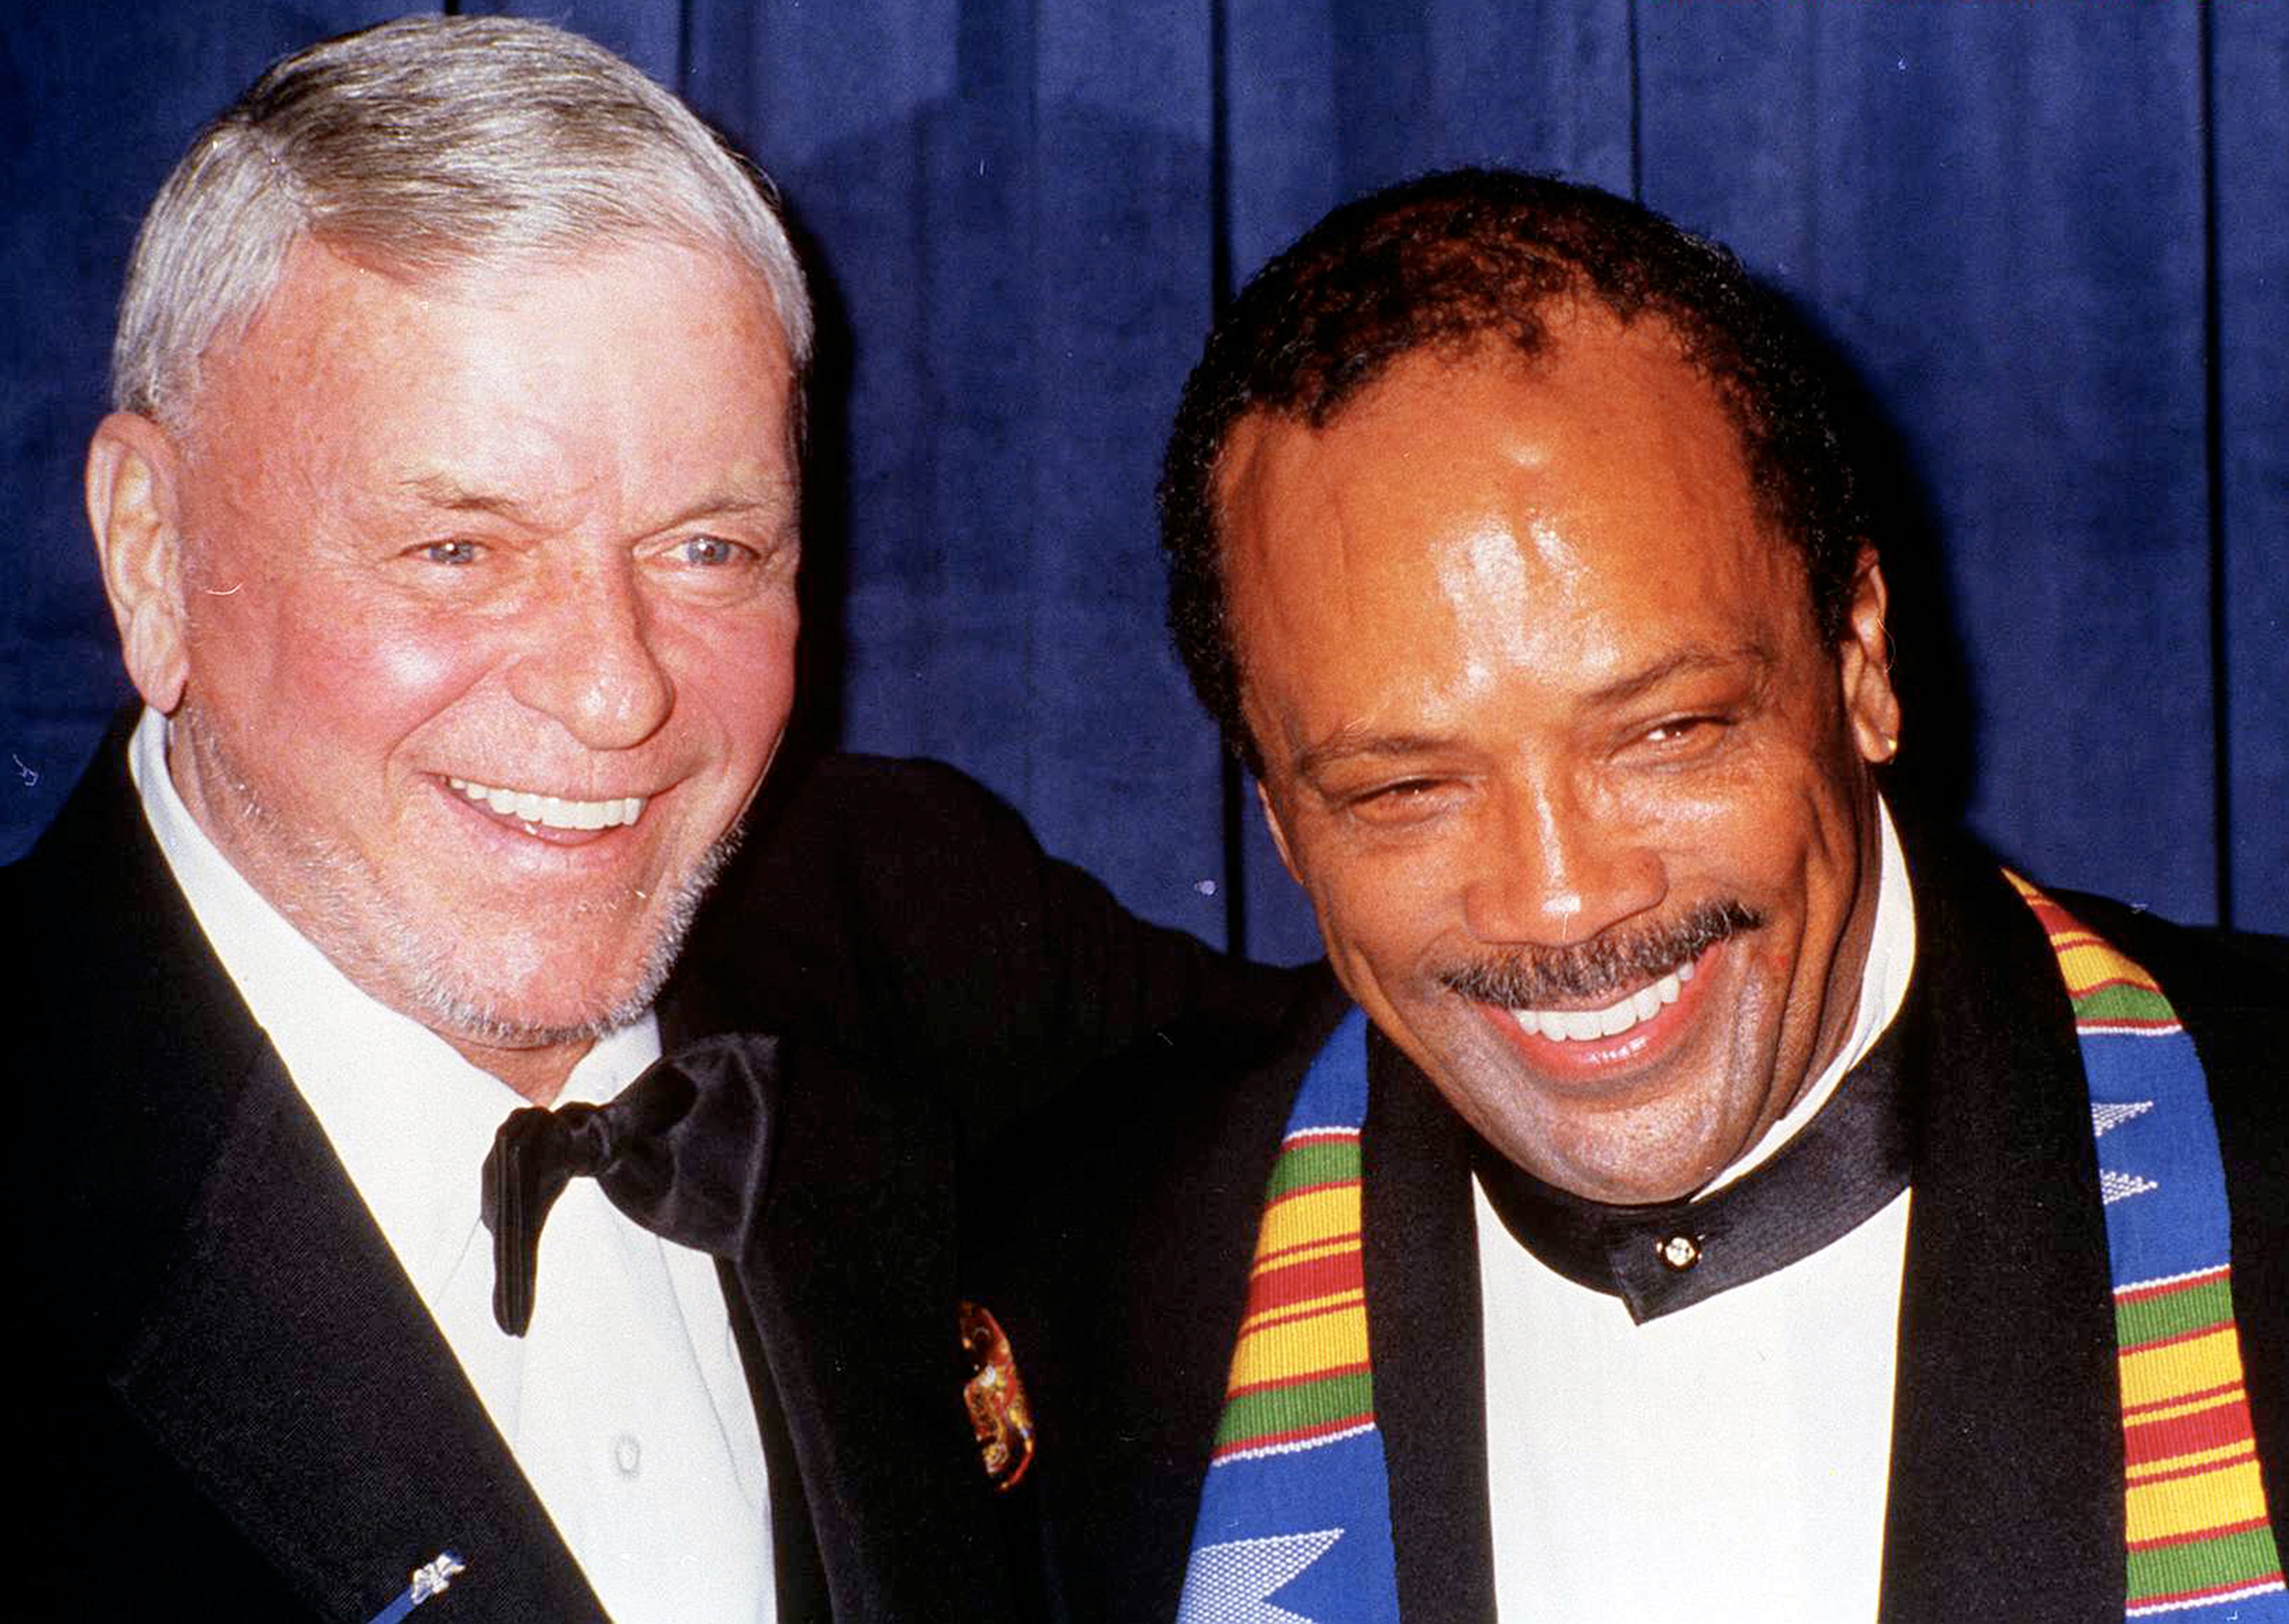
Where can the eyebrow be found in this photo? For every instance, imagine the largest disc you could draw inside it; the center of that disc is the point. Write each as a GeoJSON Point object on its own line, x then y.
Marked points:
{"type": "Point", "coordinates": [1356, 743]}
{"type": "Point", "coordinates": [1692, 658]}
{"type": "Point", "coordinates": [773, 499]}
{"type": "Point", "coordinates": [1349, 744]}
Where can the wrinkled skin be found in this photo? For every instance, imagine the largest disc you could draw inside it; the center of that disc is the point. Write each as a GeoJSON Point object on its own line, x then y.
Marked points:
{"type": "Point", "coordinates": [534, 530]}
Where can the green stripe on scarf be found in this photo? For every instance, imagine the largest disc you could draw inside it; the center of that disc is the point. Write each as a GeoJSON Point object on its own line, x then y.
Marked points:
{"type": "Point", "coordinates": [2168, 1314]}
{"type": "Point", "coordinates": [1317, 1403]}
{"type": "Point", "coordinates": [1321, 1162]}
{"type": "Point", "coordinates": [2203, 1563]}
{"type": "Point", "coordinates": [2105, 1004]}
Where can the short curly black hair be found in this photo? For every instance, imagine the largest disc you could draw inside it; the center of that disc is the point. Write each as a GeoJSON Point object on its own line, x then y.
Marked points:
{"type": "Point", "coordinates": [1444, 263]}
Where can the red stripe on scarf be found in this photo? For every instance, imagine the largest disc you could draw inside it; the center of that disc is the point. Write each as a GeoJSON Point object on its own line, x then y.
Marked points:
{"type": "Point", "coordinates": [2130, 1413]}
{"type": "Point", "coordinates": [1271, 1440]}
{"type": "Point", "coordinates": [1344, 1237]}
{"type": "Point", "coordinates": [1294, 1282]}
{"type": "Point", "coordinates": [2214, 1428]}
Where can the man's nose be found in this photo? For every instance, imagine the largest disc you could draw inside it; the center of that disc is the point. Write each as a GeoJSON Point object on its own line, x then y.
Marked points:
{"type": "Point", "coordinates": [591, 662]}
{"type": "Point", "coordinates": [1551, 867]}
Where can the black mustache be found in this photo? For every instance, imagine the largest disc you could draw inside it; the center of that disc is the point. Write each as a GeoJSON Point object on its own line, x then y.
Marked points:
{"type": "Point", "coordinates": [1530, 977]}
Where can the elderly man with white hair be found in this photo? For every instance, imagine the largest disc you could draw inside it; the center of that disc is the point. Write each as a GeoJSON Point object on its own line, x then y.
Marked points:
{"type": "Point", "coordinates": [449, 514]}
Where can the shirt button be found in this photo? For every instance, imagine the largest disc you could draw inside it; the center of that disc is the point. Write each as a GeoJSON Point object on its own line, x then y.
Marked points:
{"type": "Point", "coordinates": [1679, 1251]}
{"type": "Point", "coordinates": [627, 1454]}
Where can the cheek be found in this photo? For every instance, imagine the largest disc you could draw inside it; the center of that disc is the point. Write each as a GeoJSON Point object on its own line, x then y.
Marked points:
{"type": "Point", "coordinates": [1382, 914]}
{"type": "Point", "coordinates": [1754, 829]}
{"type": "Point", "coordinates": [386, 678]}
{"type": "Point", "coordinates": [741, 675]}
{"type": "Point", "coordinates": [410, 665]}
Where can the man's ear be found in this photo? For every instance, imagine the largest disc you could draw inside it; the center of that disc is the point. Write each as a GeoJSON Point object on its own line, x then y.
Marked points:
{"type": "Point", "coordinates": [1278, 834]}
{"type": "Point", "coordinates": [1865, 664]}
{"type": "Point", "coordinates": [132, 478]}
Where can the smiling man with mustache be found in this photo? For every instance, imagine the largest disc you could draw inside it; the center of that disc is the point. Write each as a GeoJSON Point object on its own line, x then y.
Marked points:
{"type": "Point", "coordinates": [1693, 1193]}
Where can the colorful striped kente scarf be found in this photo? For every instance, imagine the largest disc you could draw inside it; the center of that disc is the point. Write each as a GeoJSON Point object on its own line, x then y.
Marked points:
{"type": "Point", "coordinates": [1295, 1519]}
{"type": "Point", "coordinates": [2197, 1531]}
{"type": "Point", "coordinates": [1297, 1500]}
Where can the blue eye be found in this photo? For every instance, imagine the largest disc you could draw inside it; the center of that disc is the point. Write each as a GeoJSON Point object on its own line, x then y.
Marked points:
{"type": "Point", "coordinates": [711, 550]}
{"type": "Point", "coordinates": [450, 551]}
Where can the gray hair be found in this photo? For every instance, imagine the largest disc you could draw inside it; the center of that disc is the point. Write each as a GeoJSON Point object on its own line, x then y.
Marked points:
{"type": "Point", "coordinates": [427, 147]}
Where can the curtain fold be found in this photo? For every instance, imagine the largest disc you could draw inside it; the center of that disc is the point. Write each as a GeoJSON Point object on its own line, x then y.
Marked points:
{"type": "Point", "coordinates": [2050, 244]}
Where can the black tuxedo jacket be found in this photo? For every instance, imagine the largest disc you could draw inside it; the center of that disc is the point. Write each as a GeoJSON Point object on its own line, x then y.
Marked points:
{"type": "Point", "coordinates": [237, 1406]}
{"type": "Point", "coordinates": [2006, 1489]}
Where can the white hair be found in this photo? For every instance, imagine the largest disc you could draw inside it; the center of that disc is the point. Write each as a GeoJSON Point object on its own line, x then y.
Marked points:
{"type": "Point", "coordinates": [427, 147]}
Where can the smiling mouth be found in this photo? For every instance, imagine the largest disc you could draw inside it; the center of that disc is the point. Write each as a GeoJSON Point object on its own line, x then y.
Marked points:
{"type": "Point", "coordinates": [551, 811]}
{"type": "Point", "coordinates": [1629, 1010]}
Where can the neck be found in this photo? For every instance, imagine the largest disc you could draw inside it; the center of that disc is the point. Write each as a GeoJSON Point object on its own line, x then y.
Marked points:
{"type": "Point", "coordinates": [538, 1073]}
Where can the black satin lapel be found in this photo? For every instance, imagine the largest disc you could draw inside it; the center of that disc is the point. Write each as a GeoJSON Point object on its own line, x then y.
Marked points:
{"type": "Point", "coordinates": [2006, 1454]}
{"type": "Point", "coordinates": [290, 1370]}
{"type": "Point", "coordinates": [801, 1574]}
{"type": "Point", "coordinates": [851, 1277]}
{"type": "Point", "coordinates": [1427, 1341]}
{"type": "Point", "coordinates": [1125, 1283]}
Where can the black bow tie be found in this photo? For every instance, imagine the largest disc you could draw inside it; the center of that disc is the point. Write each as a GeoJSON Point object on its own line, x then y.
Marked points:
{"type": "Point", "coordinates": [683, 1151]}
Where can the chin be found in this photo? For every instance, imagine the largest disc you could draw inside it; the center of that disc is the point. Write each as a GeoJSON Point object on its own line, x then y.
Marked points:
{"type": "Point", "coordinates": [1626, 1159]}
{"type": "Point", "coordinates": [464, 1005]}
{"type": "Point", "coordinates": [519, 990]}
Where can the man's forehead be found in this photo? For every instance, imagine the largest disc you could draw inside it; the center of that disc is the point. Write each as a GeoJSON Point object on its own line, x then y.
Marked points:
{"type": "Point", "coordinates": [1588, 510]}
{"type": "Point", "coordinates": [335, 300]}
{"type": "Point", "coordinates": [1598, 390]}
{"type": "Point", "coordinates": [646, 383]}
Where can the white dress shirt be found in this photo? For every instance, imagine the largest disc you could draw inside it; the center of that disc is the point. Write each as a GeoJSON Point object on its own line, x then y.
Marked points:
{"type": "Point", "coordinates": [1727, 1462]}
{"type": "Point", "coordinates": [626, 1405]}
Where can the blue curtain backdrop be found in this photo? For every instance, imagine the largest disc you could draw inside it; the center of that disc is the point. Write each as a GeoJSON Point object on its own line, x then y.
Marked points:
{"type": "Point", "coordinates": [2050, 239]}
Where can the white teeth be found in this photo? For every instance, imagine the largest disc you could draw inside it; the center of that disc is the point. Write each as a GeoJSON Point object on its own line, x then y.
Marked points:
{"type": "Point", "coordinates": [1579, 1026]}
{"type": "Point", "coordinates": [553, 811]}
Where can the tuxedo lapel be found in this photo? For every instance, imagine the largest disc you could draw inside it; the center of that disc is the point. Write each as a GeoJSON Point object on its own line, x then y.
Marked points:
{"type": "Point", "coordinates": [1124, 1284]}
{"type": "Point", "coordinates": [286, 1364]}
{"type": "Point", "coordinates": [226, 1286]}
{"type": "Point", "coordinates": [1426, 1340]}
{"type": "Point", "coordinates": [850, 1277]}
{"type": "Point", "coordinates": [2006, 1457]}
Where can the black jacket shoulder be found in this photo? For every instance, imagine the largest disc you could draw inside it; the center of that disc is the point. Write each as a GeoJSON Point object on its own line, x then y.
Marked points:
{"type": "Point", "coordinates": [899, 913]}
